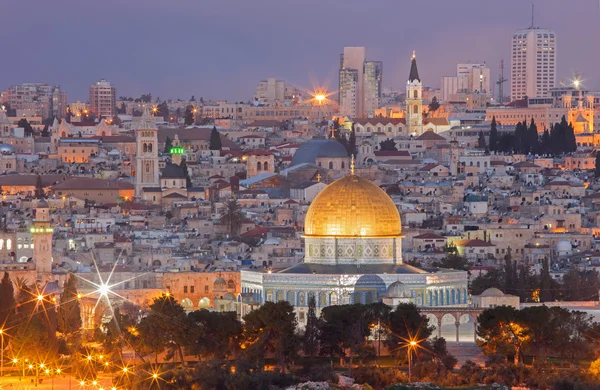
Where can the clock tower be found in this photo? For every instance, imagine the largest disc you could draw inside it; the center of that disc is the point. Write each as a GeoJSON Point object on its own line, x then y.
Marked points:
{"type": "Point", "coordinates": [414, 100]}
{"type": "Point", "coordinates": [41, 230]}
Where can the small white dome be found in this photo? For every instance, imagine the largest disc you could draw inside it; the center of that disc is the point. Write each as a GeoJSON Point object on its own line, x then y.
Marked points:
{"type": "Point", "coordinates": [398, 290]}
{"type": "Point", "coordinates": [492, 292]}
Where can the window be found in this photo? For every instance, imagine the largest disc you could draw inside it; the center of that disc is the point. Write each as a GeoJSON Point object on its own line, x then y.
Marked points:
{"type": "Point", "coordinates": [192, 289]}
{"type": "Point", "coordinates": [330, 165]}
{"type": "Point", "coordinates": [185, 289]}
{"type": "Point", "coordinates": [259, 166]}
{"type": "Point", "coordinates": [416, 94]}
{"type": "Point", "coordinates": [415, 109]}
{"type": "Point", "coordinates": [266, 166]}
{"type": "Point", "coordinates": [145, 148]}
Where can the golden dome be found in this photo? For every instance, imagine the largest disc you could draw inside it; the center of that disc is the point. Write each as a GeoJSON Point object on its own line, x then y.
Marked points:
{"type": "Point", "coordinates": [352, 207]}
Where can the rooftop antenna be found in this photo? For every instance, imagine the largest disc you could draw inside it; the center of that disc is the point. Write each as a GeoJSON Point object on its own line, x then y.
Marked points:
{"type": "Point", "coordinates": [532, 13]}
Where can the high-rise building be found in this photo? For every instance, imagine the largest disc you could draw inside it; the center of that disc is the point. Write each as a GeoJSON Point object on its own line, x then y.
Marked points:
{"type": "Point", "coordinates": [359, 83]}
{"type": "Point", "coordinates": [373, 72]}
{"type": "Point", "coordinates": [533, 63]}
{"type": "Point", "coordinates": [40, 99]}
{"type": "Point", "coordinates": [270, 90]}
{"type": "Point", "coordinates": [102, 99]}
{"type": "Point", "coordinates": [470, 78]}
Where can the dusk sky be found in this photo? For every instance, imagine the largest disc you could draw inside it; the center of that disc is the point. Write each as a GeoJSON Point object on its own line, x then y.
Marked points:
{"type": "Point", "coordinates": [221, 49]}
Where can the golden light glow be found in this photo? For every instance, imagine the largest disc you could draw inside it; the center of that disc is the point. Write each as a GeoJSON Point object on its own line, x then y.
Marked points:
{"type": "Point", "coordinates": [413, 343]}
{"type": "Point", "coordinates": [89, 357]}
{"type": "Point", "coordinates": [15, 361]}
{"type": "Point", "coordinates": [125, 369]}
{"type": "Point", "coordinates": [350, 207]}
{"type": "Point", "coordinates": [40, 297]}
{"type": "Point", "coordinates": [82, 383]}
{"type": "Point", "coordinates": [320, 97]}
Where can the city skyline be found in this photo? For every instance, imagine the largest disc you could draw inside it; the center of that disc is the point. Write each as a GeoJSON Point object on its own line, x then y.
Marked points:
{"type": "Point", "coordinates": [198, 55]}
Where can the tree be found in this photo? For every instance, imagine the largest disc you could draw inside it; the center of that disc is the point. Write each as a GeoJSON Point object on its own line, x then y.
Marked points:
{"type": "Point", "coordinates": [533, 138]}
{"type": "Point", "coordinates": [570, 141]}
{"type": "Point", "coordinates": [546, 144]}
{"type": "Point", "coordinates": [39, 188]}
{"type": "Point", "coordinates": [168, 145]}
{"type": "Point", "coordinates": [597, 170]}
{"type": "Point", "coordinates": [271, 329]}
{"type": "Point", "coordinates": [434, 105]}
{"type": "Point", "coordinates": [163, 110]}
{"type": "Point", "coordinates": [545, 282]}
{"type": "Point", "coordinates": [45, 131]}
{"type": "Point", "coordinates": [310, 342]}
{"type": "Point", "coordinates": [492, 279]}
{"type": "Point", "coordinates": [346, 328]}
{"type": "Point", "coordinates": [188, 116]}
{"type": "Point", "coordinates": [215, 139]}
{"type": "Point", "coordinates": [406, 323]}
{"type": "Point", "coordinates": [214, 334]}
{"type": "Point", "coordinates": [352, 141]}
{"type": "Point", "coordinates": [7, 300]}
{"type": "Point", "coordinates": [25, 125]}
{"type": "Point", "coordinates": [388, 144]}
{"type": "Point", "coordinates": [69, 311]}
{"type": "Point", "coordinates": [165, 327]}
{"type": "Point", "coordinates": [36, 332]}
{"type": "Point", "coordinates": [494, 135]}
{"type": "Point", "coordinates": [500, 331]}
{"type": "Point", "coordinates": [481, 144]}
{"type": "Point", "coordinates": [122, 109]}
{"type": "Point", "coordinates": [233, 216]}
{"type": "Point", "coordinates": [453, 261]}
{"type": "Point", "coordinates": [188, 180]}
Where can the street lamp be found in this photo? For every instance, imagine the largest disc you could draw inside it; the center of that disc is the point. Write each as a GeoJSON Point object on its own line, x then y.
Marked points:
{"type": "Point", "coordinates": [411, 345]}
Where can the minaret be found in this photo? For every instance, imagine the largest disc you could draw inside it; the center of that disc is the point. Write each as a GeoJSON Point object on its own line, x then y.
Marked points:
{"type": "Point", "coordinates": [414, 100]}
{"type": "Point", "coordinates": [41, 230]}
{"type": "Point", "coordinates": [146, 155]}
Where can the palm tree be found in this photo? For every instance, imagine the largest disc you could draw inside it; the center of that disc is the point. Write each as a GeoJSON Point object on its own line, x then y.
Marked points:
{"type": "Point", "coordinates": [232, 216]}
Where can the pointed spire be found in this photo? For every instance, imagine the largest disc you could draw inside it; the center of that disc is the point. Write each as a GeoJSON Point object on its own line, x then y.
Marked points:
{"type": "Point", "coordinates": [414, 73]}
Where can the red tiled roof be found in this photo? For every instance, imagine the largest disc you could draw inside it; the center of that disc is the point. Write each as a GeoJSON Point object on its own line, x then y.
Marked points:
{"type": "Point", "coordinates": [473, 243]}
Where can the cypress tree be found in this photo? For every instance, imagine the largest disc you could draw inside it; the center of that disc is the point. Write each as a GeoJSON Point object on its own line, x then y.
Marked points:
{"type": "Point", "coordinates": [189, 116]}
{"type": "Point", "coordinates": [168, 145]}
{"type": "Point", "coordinates": [352, 141]}
{"type": "Point", "coordinates": [493, 135]}
{"type": "Point", "coordinates": [481, 144]}
{"type": "Point", "coordinates": [546, 282]}
{"type": "Point", "coordinates": [69, 311]}
{"type": "Point", "coordinates": [7, 300]}
{"type": "Point", "coordinates": [215, 139]}
{"type": "Point", "coordinates": [188, 180]}
{"type": "Point", "coordinates": [570, 140]}
{"type": "Point", "coordinates": [519, 141]}
{"type": "Point", "coordinates": [546, 144]}
{"type": "Point", "coordinates": [311, 332]}
{"type": "Point", "coordinates": [534, 147]}
{"type": "Point", "coordinates": [597, 171]}
{"type": "Point", "coordinates": [39, 188]}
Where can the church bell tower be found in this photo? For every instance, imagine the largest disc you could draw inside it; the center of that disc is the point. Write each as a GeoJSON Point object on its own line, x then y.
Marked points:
{"type": "Point", "coordinates": [41, 230]}
{"type": "Point", "coordinates": [414, 100]}
{"type": "Point", "coordinates": [146, 155]}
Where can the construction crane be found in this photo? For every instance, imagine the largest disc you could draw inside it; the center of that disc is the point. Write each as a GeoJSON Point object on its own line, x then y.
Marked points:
{"type": "Point", "coordinates": [500, 82]}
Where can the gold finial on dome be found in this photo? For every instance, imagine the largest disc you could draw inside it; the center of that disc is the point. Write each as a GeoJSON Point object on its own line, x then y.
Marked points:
{"type": "Point", "coordinates": [332, 132]}
{"type": "Point", "coordinates": [352, 165]}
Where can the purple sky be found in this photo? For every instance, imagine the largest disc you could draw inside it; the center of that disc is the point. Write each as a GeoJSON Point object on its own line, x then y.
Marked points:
{"type": "Point", "coordinates": [220, 49]}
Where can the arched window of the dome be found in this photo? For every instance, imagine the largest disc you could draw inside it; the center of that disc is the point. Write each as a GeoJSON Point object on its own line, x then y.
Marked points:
{"type": "Point", "coordinates": [330, 164]}
{"type": "Point", "coordinates": [266, 166]}
{"type": "Point", "coordinates": [322, 299]}
{"type": "Point", "coordinates": [343, 165]}
{"type": "Point", "coordinates": [258, 166]}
